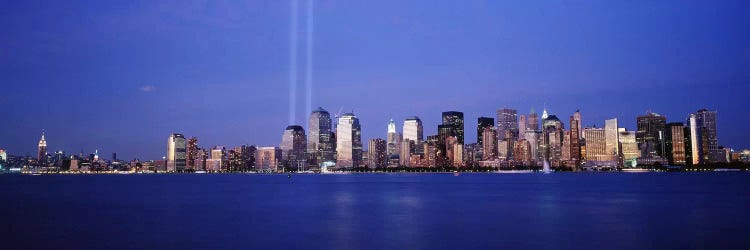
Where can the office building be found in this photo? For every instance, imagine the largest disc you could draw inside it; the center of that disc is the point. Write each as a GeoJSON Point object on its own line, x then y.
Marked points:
{"type": "Point", "coordinates": [675, 143]}
{"type": "Point", "coordinates": [41, 155]}
{"type": "Point", "coordinates": [612, 140]}
{"type": "Point", "coordinates": [348, 142]}
{"type": "Point", "coordinates": [320, 139]}
{"type": "Point", "coordinates": [268, 159]}
{"type": "Point", "coordinates": [293, 147]}
{"type": "Point", "coordinates": [482, 123]}
{"type": "Point", "coordinates": [649, 134]}
{"type": "Point", "coordinates": [176, 153]}
{"type": "Point", "coordinates": [377, 155]}
{"type": "Point", "coordinates": [413, 129]}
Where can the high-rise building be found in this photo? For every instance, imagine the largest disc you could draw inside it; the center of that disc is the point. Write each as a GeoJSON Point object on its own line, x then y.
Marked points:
{"type": "Point", "coordinates": [522, 124]}
{"type": "Point", "coordinates": [376, 151]}
{"type": "Point", "coordinates": [630, 151]}
{"type": "Point", "coordinates": [675, 141]}
{"type": "Point", "coordinates": [41, 154]}
{"type": "Point", "coordinates": [176, 153]}
{"type": "Point", "coordinates": [3, 155]}
{"type": "Point", "coordinates": [268, 159]}
{"type": "Point", "coordinates": [392, 139]}
{"type": "Point", "coordinates": [348, 142]}
{"type": "Point", "coordinates": [532, 136]}
{"type": "Point", "coordinates": [482, 123]}
{"type": "Point", "coordinates": [706, 121]}
{"type": "Point", "coordinates": [489, 144]}
{"type": "Point", "coordinates": [192, 152]}
{"type": "Point", "coordinates": [413, 129]}
{"type": "Point", "coordinates": [455, 120]}
{"type": "Point", "coordinates": [612, 140]}
{"type": "Point", "coordinates": [533, 121]}
{"type": "Point", "coordinates": [575, 140]}
{"type": "Point", "coordinates": [320, 140]}
{"type": "Point", "coordinates": [293, 146]}
{"type": "Point", "coordinates": [407, 150]}
{"type": "Point", "coordinates": [695, 150]}
{"type": "Point", "coordinates": [454, 151]}
{"type": "Point", "coordinates": [577, 117]}
{"type": "Point", "coordinates": [507, 120]}
{"type": "Point", "coordinates": [522, 151]}
{"type": "Point", "coordinates": [217, 160]}
{"type": "Point", "coordinates": [596, 146]}
{"type": "Point", "coordinates": [650, 133]}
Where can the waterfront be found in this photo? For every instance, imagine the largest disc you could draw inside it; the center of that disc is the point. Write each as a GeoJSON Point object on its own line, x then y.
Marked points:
{"type": "Point", "coordinates": [376, 211]}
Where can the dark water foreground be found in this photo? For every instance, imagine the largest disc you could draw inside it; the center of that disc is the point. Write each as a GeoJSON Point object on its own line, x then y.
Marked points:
{"type": "Point", "coordinates": [376, 211]}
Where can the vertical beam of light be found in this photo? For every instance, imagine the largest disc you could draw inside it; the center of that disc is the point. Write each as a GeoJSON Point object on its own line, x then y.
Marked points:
{"type": "Point", "coordinates": [308, 73]}
{"type": "Point", "coordinates": [293, 63]}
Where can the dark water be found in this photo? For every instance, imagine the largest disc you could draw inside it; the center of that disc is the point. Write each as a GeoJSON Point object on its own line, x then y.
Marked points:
{"type": "Point", "coordinates": [377, 211]}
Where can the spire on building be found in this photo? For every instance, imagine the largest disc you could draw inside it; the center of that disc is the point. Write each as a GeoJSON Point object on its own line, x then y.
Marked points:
{"type": "Point", "coordinates": [391, 126]}
{"type": "Point", "coordinates": [544, 114]}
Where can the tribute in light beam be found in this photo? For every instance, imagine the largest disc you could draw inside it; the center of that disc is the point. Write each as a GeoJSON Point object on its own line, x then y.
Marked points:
{"type": "Point", "coordinates": [293, 63]}
{"type": "Point", "coordinates": [308, 73]}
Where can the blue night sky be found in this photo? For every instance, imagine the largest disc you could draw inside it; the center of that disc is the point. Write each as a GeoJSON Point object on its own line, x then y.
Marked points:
{"type": "Point", "coordinates": [120, 76]}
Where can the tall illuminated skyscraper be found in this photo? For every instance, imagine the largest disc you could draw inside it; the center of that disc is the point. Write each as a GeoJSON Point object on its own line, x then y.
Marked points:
{"type": "Point", "coordinates": [393, 139]}
{"type": "Point", "coordinates": [574, 140]}
{"type": "Point", "coordinates": [293, 145]}
{"type": "Point", "coordinates": [376, 153]}
{"type": "Point", "coordinates": [706, 121]}
{"type": "Point", "coordinates": [489, 143]}
{"type": "Point", "coordinates": [482, 123]}
{"type": "Point", "coordinates": [176, 153]}
{"type": "Point", "coordinates": [192, 152]}
{"type": "Point", "coordinates": [41, 154]}
{"type": "Point", "coordinates": [650, 133]}
{"type": "Point", "coordinates": [629, 147]}
{"type": "Point", "coordinates": [348, 142]}
{"type": "Point", "coordinates": [455, 120]}
{"type": "Point", "coordinates": [695, 150]}
{"type": "Point", "coordinates": [507, 124]}
{"type": "Point", "coordinates": [596, 146]}
{"type": "Point", "coordinates": [612, 139]}
{"type": "Point", "coordinates": [413, 129]}
{"type": "Point", "coordinates": [675, 141]}
{"type": "Point", "coordinates": [533, 121]}
{"type": "Point", "coordinates": [522, 124]}
{"type": "Point", "coordinates": [320, 140]}
{"type": "Point", "coordinates": [577, 117]}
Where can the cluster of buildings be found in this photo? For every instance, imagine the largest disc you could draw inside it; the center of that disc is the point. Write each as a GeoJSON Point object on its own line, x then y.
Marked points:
{"type": "Point", "coordinates": [509, 140]}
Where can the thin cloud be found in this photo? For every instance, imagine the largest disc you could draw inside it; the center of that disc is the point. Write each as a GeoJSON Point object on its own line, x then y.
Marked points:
{"type": "Point", "coordinates": [147, 88]}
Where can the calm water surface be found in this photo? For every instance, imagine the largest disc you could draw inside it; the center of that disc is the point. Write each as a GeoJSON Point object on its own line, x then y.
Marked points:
{"type": "Point", "coordinates": [377, 211]}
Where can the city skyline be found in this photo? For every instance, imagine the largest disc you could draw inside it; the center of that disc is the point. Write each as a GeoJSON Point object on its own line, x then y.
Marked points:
{"type": "Point", "coordinates": [112, 81]}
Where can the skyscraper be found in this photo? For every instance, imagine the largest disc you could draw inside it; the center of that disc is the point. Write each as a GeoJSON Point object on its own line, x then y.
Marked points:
{"type": "Point", "coordinates": [393, 139]}
{"type": "Point", "coordinates": [577, 117]}
{"type": "Point", "coordinates": [348, 142]}
{"type": "Point", "coordinates": [675, 141]}
{"type": "Point", "coordinates": [533, 121]}
{"type": "Point", "coordinates": [612, 140]}
{"type": "Point", "coordinates": [455, 120]}
{"type": "Point", "coordinates": [596, 147]}
{"type": "Point", "coordinates": [489, 143]}
{"type": "Point", "coordinates": [695, 151]}
{"type": "Point", "coordinates": [320, 141]}
{"type": "Point", "coordinates": [192, 152]}
{"type": "Point", "coordinates": [176, 153]}
{"type": "Point", "coordinates": [522, 124]}
{"type": "Point", "coordinates": [649, 134]}
{"type": "Point", "coordinates": [575, 139]}
{"type": "Point", "coordinates": [413, 129]}
{"type": "Point", "coordinates": [507, 120]}
{"type": "Point", "coordinates": [630, 151]}
{"type": "Point", "coordinates": [376, 150]}
{"type": "Point", "coordinates": [41, 154]}
{"type": "Point", "coordinates": [293, 145]}
{"type": "Point", "coordinates": [706, 121]}
{"type": "Point", "coordinates": [482, 123]}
